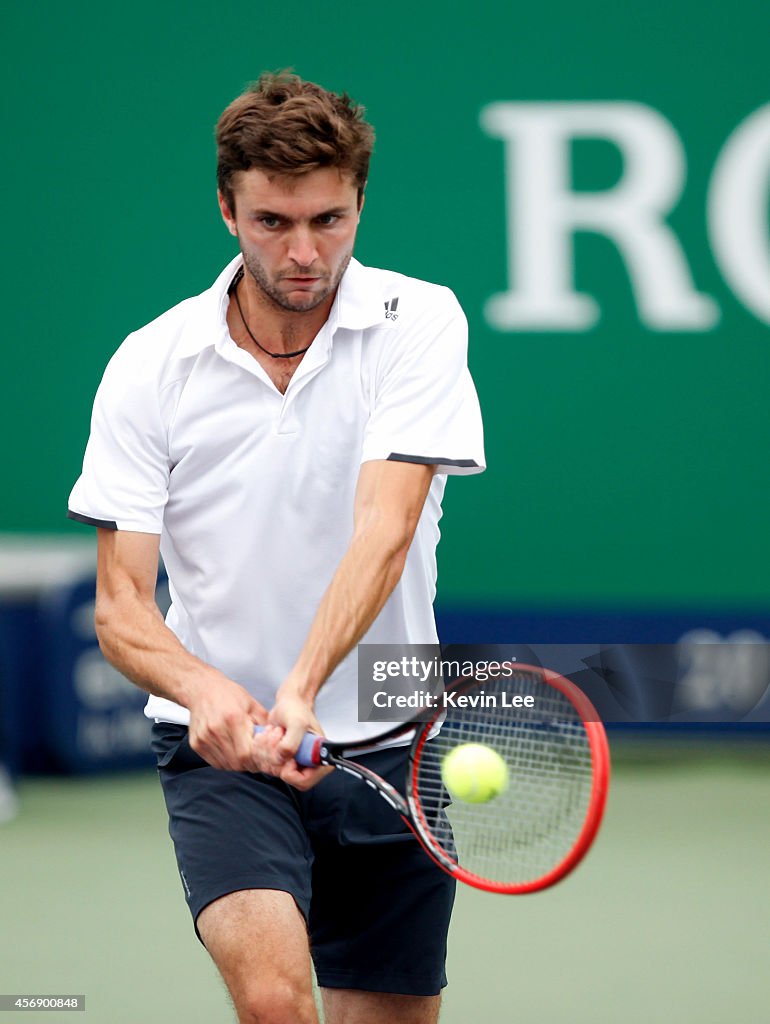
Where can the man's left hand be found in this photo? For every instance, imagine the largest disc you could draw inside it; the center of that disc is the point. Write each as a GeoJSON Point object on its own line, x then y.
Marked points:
{"type": "Point", "coordinates": [295, 716]}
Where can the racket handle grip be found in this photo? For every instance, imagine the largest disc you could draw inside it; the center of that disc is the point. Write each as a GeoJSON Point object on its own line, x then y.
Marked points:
{"type": "Point", "coordinates": [309, 751]}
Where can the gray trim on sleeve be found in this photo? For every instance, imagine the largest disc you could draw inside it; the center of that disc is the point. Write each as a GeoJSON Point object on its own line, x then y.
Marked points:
{"type": "Point", "coordinates": [421, 460]}
{"type": "Point", "coordinates": [105, 524]}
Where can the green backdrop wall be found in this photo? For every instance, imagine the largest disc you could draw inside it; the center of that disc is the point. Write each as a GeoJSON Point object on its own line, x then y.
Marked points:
{"type": "Point", "coordinates": [627, 456]}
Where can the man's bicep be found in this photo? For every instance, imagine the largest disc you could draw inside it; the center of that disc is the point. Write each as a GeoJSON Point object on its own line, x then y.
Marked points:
{"type": "Point", "coordinates": [126, 560]}
{"type": "Point", "coordinates": [394, 491]}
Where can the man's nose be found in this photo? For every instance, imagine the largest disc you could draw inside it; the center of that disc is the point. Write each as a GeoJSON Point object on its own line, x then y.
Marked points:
{"type": "Point", "coordinates": [302, 247]}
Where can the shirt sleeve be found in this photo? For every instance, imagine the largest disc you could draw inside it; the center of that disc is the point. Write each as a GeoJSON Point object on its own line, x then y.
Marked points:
{"type": "Point", "coordinates": [124, 482]}
{"type": "Point", "coordinates": [425, 407]}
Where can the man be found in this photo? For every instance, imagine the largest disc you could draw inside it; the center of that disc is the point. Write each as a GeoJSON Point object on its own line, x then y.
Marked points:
{"type": "Point", "coordinates": [283, 439]}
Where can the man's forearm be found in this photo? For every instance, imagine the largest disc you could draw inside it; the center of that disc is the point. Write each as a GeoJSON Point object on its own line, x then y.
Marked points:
{"type": "Point", "coordinates": [135, 639]}
{"type": "Point", "coordinates": [365, 578]}
{"type": "Point", "coordinates": [389, 500]}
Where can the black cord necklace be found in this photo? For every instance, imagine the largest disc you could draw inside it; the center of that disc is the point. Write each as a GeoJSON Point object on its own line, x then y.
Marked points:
{"type": "Point", "coordinates": [273, 355]}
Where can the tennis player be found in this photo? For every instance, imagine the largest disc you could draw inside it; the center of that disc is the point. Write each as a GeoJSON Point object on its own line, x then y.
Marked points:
{"type": "Point", "coordinates": [283, 439]}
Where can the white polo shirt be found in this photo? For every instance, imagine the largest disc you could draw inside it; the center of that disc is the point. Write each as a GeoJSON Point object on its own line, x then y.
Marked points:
{"type": "Point", "coordinates": [252, 491]}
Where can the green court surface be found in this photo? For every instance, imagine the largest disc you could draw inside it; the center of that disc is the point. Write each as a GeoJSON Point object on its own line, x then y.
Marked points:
{"type": "Point", "coordinates": [667, 920]}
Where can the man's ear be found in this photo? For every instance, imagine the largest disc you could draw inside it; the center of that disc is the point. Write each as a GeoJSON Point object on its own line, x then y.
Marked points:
{"type": "Point", "coordinates": [227, 214]}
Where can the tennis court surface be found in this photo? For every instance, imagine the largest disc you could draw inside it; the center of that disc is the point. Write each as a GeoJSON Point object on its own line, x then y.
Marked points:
{"type": "Point", "coordinates": [668, 919]}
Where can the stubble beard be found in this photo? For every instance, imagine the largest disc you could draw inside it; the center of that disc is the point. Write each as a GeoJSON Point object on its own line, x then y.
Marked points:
{"type": "Point", "coordinates": [271, 291]}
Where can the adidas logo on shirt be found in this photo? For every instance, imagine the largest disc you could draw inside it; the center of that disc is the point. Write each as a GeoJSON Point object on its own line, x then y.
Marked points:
{"type": "Point", "coordinates": [390, 309]}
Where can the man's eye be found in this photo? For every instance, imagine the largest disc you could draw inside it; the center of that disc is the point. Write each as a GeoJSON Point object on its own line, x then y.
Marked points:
{"type": "Point", "coordinates": [326, 219]}
{"type": "Point", "coordinates": [269, 222]}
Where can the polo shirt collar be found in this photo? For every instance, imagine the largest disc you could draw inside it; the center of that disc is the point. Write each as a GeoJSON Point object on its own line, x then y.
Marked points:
{"type": "Point", "coordinates": [357, 305]}
{"type": "Point", "coordinates": [359, 301]}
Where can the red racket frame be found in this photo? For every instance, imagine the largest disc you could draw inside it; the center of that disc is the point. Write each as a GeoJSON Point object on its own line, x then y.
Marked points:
{"type": "Point", "coordinates": [600, 760]}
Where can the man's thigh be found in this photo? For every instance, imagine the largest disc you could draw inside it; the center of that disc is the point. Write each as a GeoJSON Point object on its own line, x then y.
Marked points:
{"type": "Point", "coordinates": [258, 940]}
{"type": "Point", "coordinates": [380, 910]}
{"type": "Point", "coordinates": [232, 831]}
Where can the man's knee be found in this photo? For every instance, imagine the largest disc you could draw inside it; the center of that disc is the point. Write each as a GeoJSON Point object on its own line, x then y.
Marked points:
{"type": "Point", "coordinates": [353, 1006]}
{"type": "Point", "coordinates": [277, 1000]}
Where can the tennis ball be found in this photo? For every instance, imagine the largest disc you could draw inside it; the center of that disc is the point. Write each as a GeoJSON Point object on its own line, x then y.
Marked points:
{"type": "Point", "coordinates": [474, 773]}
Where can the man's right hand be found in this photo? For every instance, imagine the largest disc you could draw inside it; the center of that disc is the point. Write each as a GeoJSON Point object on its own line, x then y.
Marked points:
{"type": "Point", "coordinates": [222, 719]}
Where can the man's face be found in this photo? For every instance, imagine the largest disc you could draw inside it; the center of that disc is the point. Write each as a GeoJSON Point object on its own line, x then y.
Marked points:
{"type": "Point", "coordinates": [296, 234]}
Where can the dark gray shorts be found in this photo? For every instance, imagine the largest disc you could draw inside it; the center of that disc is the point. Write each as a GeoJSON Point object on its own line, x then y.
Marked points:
{"type": "Point", "coordinates": [376, 906]}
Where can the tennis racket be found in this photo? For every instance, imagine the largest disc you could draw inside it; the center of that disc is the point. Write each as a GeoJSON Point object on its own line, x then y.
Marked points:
{"type": "Point", "coordinates": [542, 824]}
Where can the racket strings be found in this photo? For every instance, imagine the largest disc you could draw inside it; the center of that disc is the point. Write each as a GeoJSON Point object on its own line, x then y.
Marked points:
{"type": "Point", "coordinates": [529, 828]}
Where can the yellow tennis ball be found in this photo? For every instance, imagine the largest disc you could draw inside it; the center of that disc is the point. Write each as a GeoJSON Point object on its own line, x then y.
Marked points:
{"type": "Point", "coordinates": [474, 772]}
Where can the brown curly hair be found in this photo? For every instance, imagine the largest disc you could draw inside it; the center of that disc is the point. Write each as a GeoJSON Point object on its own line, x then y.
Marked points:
{"type": "Point", "coordinates": [283, 125]}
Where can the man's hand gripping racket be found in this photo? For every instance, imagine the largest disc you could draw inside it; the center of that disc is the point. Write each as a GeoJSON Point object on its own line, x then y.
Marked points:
{"type": "Point", "coordinates": [541, 823]}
